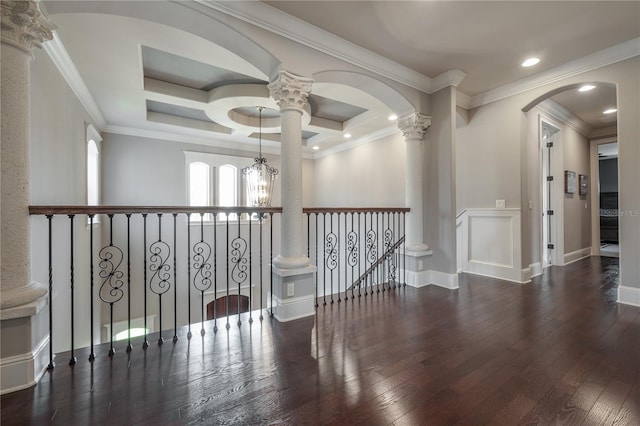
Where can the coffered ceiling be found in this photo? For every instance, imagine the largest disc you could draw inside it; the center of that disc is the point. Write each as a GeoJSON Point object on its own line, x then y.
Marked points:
{"type": "Point", "coordinates": [154, 79]}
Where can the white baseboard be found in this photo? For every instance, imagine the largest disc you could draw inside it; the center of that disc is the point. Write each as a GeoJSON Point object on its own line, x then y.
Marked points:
{"type": "Point", "coordinates": [629, 295]}
{"type": "Point", "coordinates": [536, 269]}
{"type": "Point", "coordinates": [577, 255]}
{"type": "Point", "coordinates": [501, 272]}
{"type": "Point", "coordinates": [430, 277]}
{"type": "Point", "coordinates": [442, 279]}
{"type": "Point", "coordinates": [23, 371]}
{"type": "Point", "coordinates": [293, 308]}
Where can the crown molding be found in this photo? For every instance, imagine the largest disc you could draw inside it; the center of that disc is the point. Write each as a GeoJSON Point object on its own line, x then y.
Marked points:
{"type": "Point", "coordinates": [60, 57]}
{"type": "Point", "coordinates": [463, 100]}
{"type": "Point", "coordinates": [560, 113]}
{"type": "Point", "coordinates": [446, 79]}
{"type": "Point", "coordinates": [274, 20]}
{"type": "Point", "coordinates": [379, 134]}
{"type": "Point", "coordinates": [611, 55]}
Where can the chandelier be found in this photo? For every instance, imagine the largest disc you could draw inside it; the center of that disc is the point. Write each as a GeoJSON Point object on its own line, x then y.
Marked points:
{"type": "Point", "coordinates": [260, 176]}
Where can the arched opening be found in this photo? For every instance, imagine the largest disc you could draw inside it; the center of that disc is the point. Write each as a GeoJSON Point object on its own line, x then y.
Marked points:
{"type": "Point", "coordinates": [565, 127]}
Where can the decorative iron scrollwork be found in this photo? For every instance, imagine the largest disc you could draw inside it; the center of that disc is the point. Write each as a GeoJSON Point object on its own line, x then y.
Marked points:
{"type": "Point", "coordinates": [201, 256]}
{"type": "Point", "coordinates": [331, 250]}
{"type": "Point", "coordinates": [110, 260]}
{"type": "Point", "coordinates": [371, 245]}
{"type": "Point", "coordinates": [239, 260]}
{"type": "Point", "coordinates": [160, 281]}
{"type": "Point", "coordinates": [352, 249]}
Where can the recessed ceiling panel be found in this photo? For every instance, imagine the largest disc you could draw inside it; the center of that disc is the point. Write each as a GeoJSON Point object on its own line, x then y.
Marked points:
{"type": "Point", "coordinates": [176, 69]}
{"type": "Point", "coordinates": [333, 110]}
{"type": "Point", "coordinates": [308, 135]}
{"type": "Point", "coordinates": [178, 111]}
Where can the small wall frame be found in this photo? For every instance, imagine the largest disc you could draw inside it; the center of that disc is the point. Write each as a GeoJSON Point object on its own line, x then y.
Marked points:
{"type": "Point", "coordinates": [583, 182]}
{"type": "Point", "coordinates": [569, 182]}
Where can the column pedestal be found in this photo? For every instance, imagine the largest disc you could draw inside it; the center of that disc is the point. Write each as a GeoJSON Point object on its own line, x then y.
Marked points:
{"type": "Point", "coordinates": [293, 293]}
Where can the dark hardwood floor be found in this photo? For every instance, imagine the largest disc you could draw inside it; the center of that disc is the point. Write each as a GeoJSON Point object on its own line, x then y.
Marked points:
{"type": "Point", "coordinates": [556, 351]}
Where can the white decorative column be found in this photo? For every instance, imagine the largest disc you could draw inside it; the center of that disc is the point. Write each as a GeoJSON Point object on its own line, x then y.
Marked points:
{"type": "Point", "coordinates": [413, 128]}
{"type": "Point", "coordinates": [24, 329]}
{"type": "Point", "coordinates": [293, 276]}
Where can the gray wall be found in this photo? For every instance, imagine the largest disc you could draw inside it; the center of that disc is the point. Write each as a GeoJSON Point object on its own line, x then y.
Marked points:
{"type": "Point", "coordinates": [368, 175]}
{"type": "Point", "coordinates": [577, 208]}
{"type": "Point", "coordinates": [58, 176]}
{"type": "Point", "coordinates": [440, 182]}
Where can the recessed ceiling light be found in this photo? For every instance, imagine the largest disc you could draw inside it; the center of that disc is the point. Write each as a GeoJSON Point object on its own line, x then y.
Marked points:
{"type": "Point", "coordinates": [393, 117]}
{"type": "Point", "coordinates": [530, 62]}
{"type": "Point", "coordinates": [347, 135]}
{"type": "Point", "coordinates": [316, 147]}
{"type": "Point", "coordinates": [586, 88]}
{"type": "Point", "coordinates": [609, 111]}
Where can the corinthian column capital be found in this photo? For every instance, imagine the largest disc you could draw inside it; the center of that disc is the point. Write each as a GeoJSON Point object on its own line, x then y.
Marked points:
{"type": "Point", "coordinates": [290, 91]}
{"type": "Point", "coordinates": [23, 25]}
{"type": "Point", "coordinates": [414, 126]}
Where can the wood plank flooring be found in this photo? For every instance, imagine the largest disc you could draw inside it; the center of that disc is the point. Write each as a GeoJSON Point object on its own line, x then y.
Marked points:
{"type": "Point", "coordinates": [556, 351]}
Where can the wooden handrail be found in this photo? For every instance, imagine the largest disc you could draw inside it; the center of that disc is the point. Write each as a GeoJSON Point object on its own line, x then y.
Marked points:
{"type": "Point", "coordinates": [318, 210]}
{"type": "Point", "coordinates": [73, 210]}
{"type": "Point", "coordinates": [374, 265]}
{"type": "Point", "coordinates": [69, 209]}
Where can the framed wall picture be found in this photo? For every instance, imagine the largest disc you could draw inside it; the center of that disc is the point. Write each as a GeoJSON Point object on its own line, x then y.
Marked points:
{"type": "Point", "coordinates": [583, 181]}
{"type": "Point", "coordinates": [569, 182]}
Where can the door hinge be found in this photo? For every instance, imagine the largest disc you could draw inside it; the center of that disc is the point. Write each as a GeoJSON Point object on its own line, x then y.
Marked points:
{"type": "Point", "coordinates": [549, 178]}
{"type": "Point", "coordinates": [549, 144]}
{"type": "Point", "coordinates": [550, 212]}
{"type": "Point", "coordinates": [550, 246]}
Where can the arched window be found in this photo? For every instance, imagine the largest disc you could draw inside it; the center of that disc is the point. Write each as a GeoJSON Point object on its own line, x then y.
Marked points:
{"type": "Point", "coordinates": [215, 180]}
{"type": "Point", "coordinates": [93, 140]}
{"type": "Point", "coordinates": [199, 183]}
{"type": "Point", "coordinates": [93, 173]}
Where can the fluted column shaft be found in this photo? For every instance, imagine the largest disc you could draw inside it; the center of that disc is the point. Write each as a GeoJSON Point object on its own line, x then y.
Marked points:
{"type": "Point", "coordinates": [413, 128]}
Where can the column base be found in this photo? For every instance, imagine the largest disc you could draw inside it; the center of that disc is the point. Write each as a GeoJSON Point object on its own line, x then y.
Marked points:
{"type": "Point", "coordinates": [293, 294]}
{"type": "Point", "coordinates": [420, 249]}
{"type": "Point", "coordinates": [20, 297]}
{"type": "Point", "coordinates": [25, 338]}
{"type": "Point", "coordinates": [299, 262]}
{"type": "Point", "coordinates": [419, 273]}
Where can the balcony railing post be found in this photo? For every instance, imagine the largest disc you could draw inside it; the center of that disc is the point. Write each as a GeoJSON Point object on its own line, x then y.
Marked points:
{"type": "Point", "coordinates": [73, 358]}
{"type": "Point", "coordinates": [175, 278]}
{"type": "Point", "coordinates": [145, 343]}
{"type": "Point", "coordinates": [50, 255]}
{"type": "Point", "coordinates": [129, 346]}
{"type": "Point", "coordinates": [189, 334]}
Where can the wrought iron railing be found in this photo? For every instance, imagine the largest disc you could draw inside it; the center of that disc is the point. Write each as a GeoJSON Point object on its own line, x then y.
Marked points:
{"type": "Point", "coordinates": [357, 250]}
{"type": "Point", "coordinates": [169, 269]}
{"type": "Point", "coordinates": [143, 253]}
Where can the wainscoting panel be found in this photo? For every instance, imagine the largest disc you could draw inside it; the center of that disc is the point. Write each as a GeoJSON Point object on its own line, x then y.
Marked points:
{"type": "Point", "coordinates": [490, 244]}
